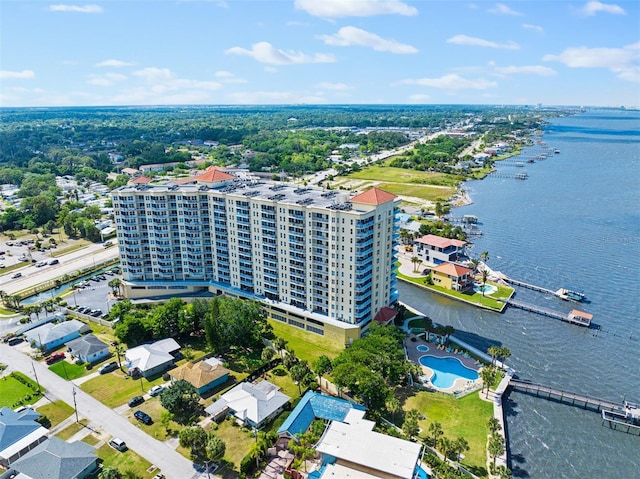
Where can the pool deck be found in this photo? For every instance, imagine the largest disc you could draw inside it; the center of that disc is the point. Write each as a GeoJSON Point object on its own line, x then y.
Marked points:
{"type": "Point", "coordinates": [413, 354]}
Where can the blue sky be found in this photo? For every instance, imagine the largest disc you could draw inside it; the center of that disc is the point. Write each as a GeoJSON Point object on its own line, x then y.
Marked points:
{"type": "Point", "coordinates": [150, 52]}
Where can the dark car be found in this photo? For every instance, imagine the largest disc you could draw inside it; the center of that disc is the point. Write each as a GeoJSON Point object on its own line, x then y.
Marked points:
{"type": "Point", "coordinates": [14, 341]}
{"type": "Point", "coordinates": [134, 401]}
{"type": "Point", "coordinates": [143, 417]}
{"type": "Point", "coordinates": [54, 357]}
{"type": "Point", "coordinates": [107, 368]}
{"type": "Point", "coordinates": [54, 261]}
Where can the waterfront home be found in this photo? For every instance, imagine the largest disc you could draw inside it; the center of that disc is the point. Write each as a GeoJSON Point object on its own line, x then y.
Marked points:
{"type": "Point", "coordinates": [433, 249]}
{"type": "Point", "coordinates": [57, 459]}
{"type": "Point", "coordinates": [151, 359]}
{"type": "Point", "coordinates": [88, 349]}
{"type": "Point", "coordinates": [49, 336]}
{"type": "Point", "coordinates": [19, 433]}
{"type": "Point", "coordinates": [252, 404]}
{"type": "Point", "coordinates": [202, 375]}
{"type": "Point", "coordinates": [452, 276]}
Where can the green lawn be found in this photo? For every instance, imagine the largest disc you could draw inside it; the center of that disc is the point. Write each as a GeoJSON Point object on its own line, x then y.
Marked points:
{"type": "Point", "coordinates": [403, 175]}
{"type": "Point", "coordinates": [13, 393]}
{"type": "Point", "coordinates": [124, 461]}
{"type": "Point", "coordinates": [425, 192]}
{"type": "Point", "coordinates": [307, 346]}
{"type": "Point", "coordinates": [238, 442]}
{"type": "Point", "coordinates": [154, 409]}
{"type": "Point", "coordinates": [69, 431]}
{"type": "Point", "coordinates": [280, 377]}
{"type": "Point", "coordinates": [466, 417]}
{"type": "Point", "coordinates": [56, 411]}
{"type": "Point", "coordinates": [68, 370]}
{"type": "Point", "coordinates": [116, 388]}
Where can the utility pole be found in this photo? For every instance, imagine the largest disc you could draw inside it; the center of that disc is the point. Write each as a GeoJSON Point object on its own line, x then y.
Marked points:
{"type": "Point", "coordinates": [35, 375]}
{"type": "Point", "coordinates": [75, 406]}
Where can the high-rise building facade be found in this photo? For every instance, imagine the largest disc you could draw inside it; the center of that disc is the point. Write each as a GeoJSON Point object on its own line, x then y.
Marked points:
{"type": "Point", "coordinates": [316, 259]}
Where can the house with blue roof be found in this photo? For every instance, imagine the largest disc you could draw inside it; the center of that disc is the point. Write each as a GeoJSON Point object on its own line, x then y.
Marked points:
{"type": "Point", "coordinates": [19, 433]}
{"type": "Point", "coordinates": [313, 406]}
{"type": "Point", "coordinates": [49, 336]}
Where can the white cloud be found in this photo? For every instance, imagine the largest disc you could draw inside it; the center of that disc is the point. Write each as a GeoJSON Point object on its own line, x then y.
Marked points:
{"type": "Point", "coordinates": [349, 36]}
{"type": "Point", "coordinates": [228, 77]}
{"type": "Point", "coordinates": [625, 61]}
{"type": "Point", "coordinates": [479, 42]}
{"type": "Point", "coordinates": [264, 52]}
{"type": "Point", "coordinates": [163, 80]}
{"type": "Point", "coordinates": [591, 8]}
{"type": "Point", "coordinates": [526, 70]}
{"type": "Point", "coordinates": [536, 28]}
{"type": "Point", "coordinates": [502, 9]}
{"type": "Point", "coordinates": [351, 8]}
{"type": "Point", "coordinates": [114, 63]}
{"type": "Point", "coordinates": [419, 98]}
{"type": "Point", "coordinates": [274, 97]}
{"type": "Point", "coordinates": [76, 8]}
{"type": "Point", "coordinates": [107, 79]}
{"type": "Point", "coordinates": [332, 86]}
{"type": "Point", "coordinates": [22, 75]}
{"type": "Point", "coordinates": [451, 81]}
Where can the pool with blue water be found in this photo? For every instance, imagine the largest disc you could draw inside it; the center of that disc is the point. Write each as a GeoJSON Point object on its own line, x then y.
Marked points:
{"type": "Point", "coordinates": [447, 370]}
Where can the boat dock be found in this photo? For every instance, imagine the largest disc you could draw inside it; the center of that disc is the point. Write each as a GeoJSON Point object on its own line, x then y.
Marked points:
{"type": "Point", "coordinates": [528, 286]}
{"type": "Point", "coordinates": [628, 417]}
{"type": "Point", "coordinates": [579, 318]}
{"type": "Point", "coordinates": [518, 176]}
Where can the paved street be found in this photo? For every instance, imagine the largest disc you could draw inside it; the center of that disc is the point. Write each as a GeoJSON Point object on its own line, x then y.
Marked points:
{"type": "Point", "coordinates": [172, 464]}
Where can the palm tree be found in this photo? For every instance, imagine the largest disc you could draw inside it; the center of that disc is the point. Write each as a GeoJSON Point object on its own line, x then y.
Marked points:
{"type": "Point", "coordinates": [460, 445]}
{"type": "Point", "coordinates": [484, 256]}
{"type": "Point", "coordinates": [488, 374]}
{"type": "Point", "coordinates": [321, 367]}
{"type": "Point", "coordinates": [503, 472]}
{"type": "Point", "coordinates": [446, 446]}
{"type": "Point", "coordinates": [416, 263]}
{"type": "Point", "coordinates": [435, 431]}
{"type": "Point", "coordinates": [448, 330]}
{"type": "Point", "coordinates": [504, 353]}
{"type": "Point", "coordinates": [475, 262]}
{"type": "Point", "coordinates": [494, 352]}
{"type": "Point", "coordinates": [428, 326]}
{"type": "Point", "coordinates": [280, 344]}
{"type": "Point", "coordinates": [109, 473]}
{"type": "Point", "coordinates": [267, 354]}
{"type": "Point", "coordinates": [494, 425]}
{"type": "Point", "coordinates": [115, 285]}
{"type": "Point", "coordinates": [496, 446]}
{"type": "Point", "coordinates": [484, 275]}
{"type": "Point", "coordinates": [393, 405]}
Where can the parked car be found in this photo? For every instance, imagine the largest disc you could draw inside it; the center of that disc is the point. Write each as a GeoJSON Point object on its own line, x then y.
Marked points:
{"type": "Point", "coordinates": [155, 390]}
{"type": "Point", "coordinates": [2, 265]}
{"type": "Point", "coordinates": [54, 357]}
{"type": "Point", "coordinates": [54, 261]}
{"type": "Point", "coordinates": [14, 341]}
{"type": "Point", "coordinates": [2, 252]}
{"type": "Point", "coordinates": [40, 264]}
{"type": "Point", "coordinates": [134, 401]}
{"type": "Point", "coordinates": [107, 368]}
{"type": "Point", "coordinates": [118, 444]}
{"type": "Point", "coordinates": [96, 312]}
{"type": "Point", "coordinates": [16, 275]}
{"type": "Point", "coordinates": [143, 417]}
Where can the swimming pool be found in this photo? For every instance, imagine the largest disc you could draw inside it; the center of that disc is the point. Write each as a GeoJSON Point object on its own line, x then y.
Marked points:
{"type": "Point", "coordinates": [447, 370]}
{"type": "Point", "coordinates": [486, 288]}
{"type": "Point", "coordinates": [422, 348]}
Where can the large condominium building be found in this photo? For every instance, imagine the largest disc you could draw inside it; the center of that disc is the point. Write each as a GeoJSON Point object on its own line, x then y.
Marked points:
{"type": "Point", "coordinates": [316, 259]}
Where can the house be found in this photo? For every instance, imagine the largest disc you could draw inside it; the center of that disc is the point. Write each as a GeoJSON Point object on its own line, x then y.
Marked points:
{"type": "Point", "coordinates": [435, 249]}
{"type": "Point", "coordinates": [202, 375]}
{"type": "Point", "coordinates": [313, 406]}
{"type": "Point", "coordinates": [57, 459]}
{"type": "Point", "coordinates": [452, 276]}
{"type": "Point", "coordinates": [88, 349]}
{"type": "Point", "coordinates": [385, 315]}
{"type": "Point", "coordinates": [19, 433]}
{"type": "Point", "coordinates": [130, 171]}
{"type": "Point", "coordinates": [353, 449]}
{"type": "Point", "coordinates": [49, 336]}
{"type": "Point", "coordinates": [252, 404]}
{"type": "Point", "coordinates": [140, 180]}
{"type": "Point", "coordinates": [152, 359]}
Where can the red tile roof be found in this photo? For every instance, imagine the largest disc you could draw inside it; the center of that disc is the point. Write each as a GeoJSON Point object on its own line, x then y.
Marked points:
{"type": "Point", "coordinates": [581, 314]}
{"type": "Point", "coordinates": [141, 179]}
{"type": "Point", "coordinates": [440, 242]}
{"type": "Point", "coordinates": [210, 175]}
{"type": "Point", "coordinates": [373, 196]}
{"type": "Point", "coordinates": [385, 315]}
{"type": "Point", "coordinates": [454, 270]}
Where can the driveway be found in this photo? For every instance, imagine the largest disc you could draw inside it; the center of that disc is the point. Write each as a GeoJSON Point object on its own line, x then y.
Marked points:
{"type": "Point", "coordinates": [172, 464]}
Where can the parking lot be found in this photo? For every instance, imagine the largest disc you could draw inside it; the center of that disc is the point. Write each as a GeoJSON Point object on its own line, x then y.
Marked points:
{"type": "Point", "coordinates": [24, 251]}
{"type": "Point", "coordinates": [94, 294]}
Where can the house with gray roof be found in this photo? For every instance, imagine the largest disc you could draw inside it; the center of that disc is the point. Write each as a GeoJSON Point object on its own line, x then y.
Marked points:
{"type": "Point", "coordinates": [151, 359]}
{"type": "Point", "coordinates": [57, 459]}
{"type": "Point", "coordinates": [49, 336]}
{"type": "Point", "coordinates": [252, 404]}
{"type": "Point", "coordinates": [88, 348]}
{"type": "Point", "coordinates": [19, 433]}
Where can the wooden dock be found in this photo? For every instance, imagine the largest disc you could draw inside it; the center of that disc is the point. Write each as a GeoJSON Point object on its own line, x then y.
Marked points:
{"type": "Point", "coordinates": [532, 308]}
{"type": "Point", "coordinates": [518, 176]}
{"type": "Point", "coordinates": [529, 286]}
{"type": "Point", "coordinates": [565, 397]}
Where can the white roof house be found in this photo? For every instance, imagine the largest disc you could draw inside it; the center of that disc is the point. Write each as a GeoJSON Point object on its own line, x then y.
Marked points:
{"type": "Point", "coordinates": [254, 404]}
{"type": "Point", "coordinates": [152, 358]}
{"type": "Point", "coordinates": [357, 447]}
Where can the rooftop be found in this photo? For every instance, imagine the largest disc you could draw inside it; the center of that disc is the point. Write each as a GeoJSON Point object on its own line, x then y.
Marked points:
{"type": "Point", "coordinates": [86, 345]}
{"type": "Point", "coordinates": [56, 459]}
{"type": "Point", "coordinates": [440, 242]}
{"type": "Point", "coordinates": [201, 373]}
{"type": "Point", "coordinates": [451, 269]}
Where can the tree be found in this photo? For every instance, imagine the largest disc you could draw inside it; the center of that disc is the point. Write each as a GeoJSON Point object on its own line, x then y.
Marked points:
{"type": "Point", "coordinates": [182, 400]}
{"type": "Point", "coordinates": [494, 352]}
{"type": "Point", "coordinates": [496, 446]}
{"type": "Point", "coordinates": [445, 445]}
{"type": "Point", "coordinates": [393, 405]}
{"type": "Point", "coordinates": [504, 353]}
{"type": "Point", "coordinates": [484, 256]}
{"type": "Point", "coordinates": [488, 375]}
{"type": "Point", "coordinates": [475, 262]}
{"type": "Point", "coordinates": [494, 425]}
{"type": "Point", "coordinates": [503, 472]}
{"type": "Point", "coordinates": [115, 285]}
{"type": "Point", "coordinates": [280, 345]}
{"type": "Point", "coordinates": [435, 431]}
{"type": "Point", "coordinates": [215, 448]}
{"type": "Point", "coordinates": [484, 275]}
{"type": "Point", "coordinates": [410, 427]}
{"type": "Point", "coordinates": [298, 372]}
{"type": "Point", "coordinates": [194, 438]}
{"type": "Point", "coordinates": [109, 473]}
{"type": "Point", "coordinates": [267, 354]}
{"type": "Point", "coordinates": [448, 330]}
{"type": "Point", "coordinates": [460, 445]}
{"type": "Point", "coordinates": [321, 367]}
{"type": "Point", "coordinates": [427, 324]}
{"type": "Point", "coordinates": [416, 263]}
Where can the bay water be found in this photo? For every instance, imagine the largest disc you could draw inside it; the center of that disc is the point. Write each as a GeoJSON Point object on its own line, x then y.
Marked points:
{"type": "Point", "coordinates": [574, 222]}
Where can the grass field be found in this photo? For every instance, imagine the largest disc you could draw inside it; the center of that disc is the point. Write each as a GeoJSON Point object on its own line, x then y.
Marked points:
{"type": "Point", "coordinates": [280, 377]}
{"type": "Point", "coordinates": [116, 388]}
{"type": "Point", "coordinates": [402, 175]}
{"type": "Point", "coordinates": [13, 392]}
{"type": "Point", "coordinates": [67, 432]}
{"type": "Point", "coordinates": [154, 409]}
{"type": "Point", "coordinates": [56, 411]}
{"type": "Point", "coordinates": [238, 442]}
{"type": "Point", "coordinates": [124, 461]}
{"type": "Point", "coordinates": [307, 346]}
{"type": "Point", "coordinates": [466, 417]}
{"type": "Point", "coordinates": [68, 370]}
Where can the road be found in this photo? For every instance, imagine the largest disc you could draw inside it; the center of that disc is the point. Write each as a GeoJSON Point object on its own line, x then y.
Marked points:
{"type": "Point", "coordinates": [69, 263]}
{"type": "Point", "coordinates": [172, 464]}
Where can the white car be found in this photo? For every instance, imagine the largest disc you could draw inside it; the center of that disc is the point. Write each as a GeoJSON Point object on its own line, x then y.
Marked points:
{"type": "Point", "coordinates": [155, 390]}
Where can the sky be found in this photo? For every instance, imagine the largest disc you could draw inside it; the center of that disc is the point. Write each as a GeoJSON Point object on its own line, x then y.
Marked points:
{"type": "Point", "coordinates": [170, 52]}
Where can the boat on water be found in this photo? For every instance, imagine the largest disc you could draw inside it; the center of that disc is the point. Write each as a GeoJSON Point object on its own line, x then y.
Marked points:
{"type": "Point", "coordinates": [519, 164]}
{"type": "Point", "coordinates": [556, 151]}
{"type": "Point", "coordinates": [571, 294]}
